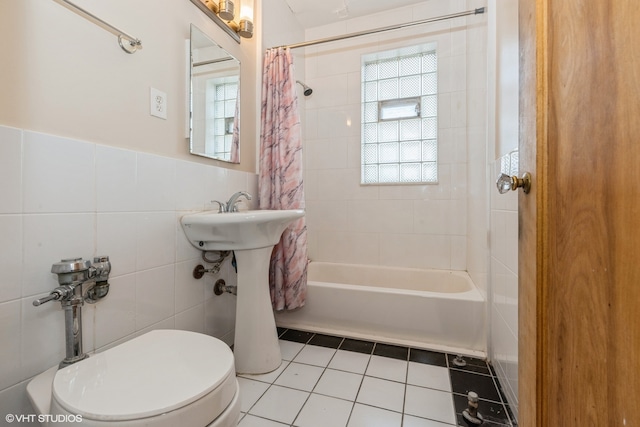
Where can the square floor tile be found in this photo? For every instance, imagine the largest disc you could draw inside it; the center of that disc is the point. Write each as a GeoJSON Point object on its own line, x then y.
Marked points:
{"type": "Point", "coordinates": [428, 403]}
{"type": "Point", "coordinates": [368, 416]}
{"type": "Point", "coordinates": [314, 355]}
{"type": "Point", "coordinates": [463, 382]}
{"type": "Point", "coordinates": [393, 351]}
{"type": "Point", "coordinates": [269, 377]}
{"type": "Point", "coordinates": [350, 361]}
{"type": "Point", "coordinates": [253, 421]}
{"type": "Point", "coordinates": [381, 393]}
{"type": "Point", "coordinates": [280, 404]}
{"type": "Point", "coordinates": [344, 385]}
{"type": "Point", "coordinates": [411, 421]}
{"type": "Point", "coordinates": [299, 376]}
{"type": "Point", "coordinates": [387, 368]}
{"type": "Point", "coordinates": [290, 349]}
{"type": "Point", "coordinates": [297, 336]}
{"type": "Point", "coordinates": [323, 411]}
{"type": "Point", "coordinates": [428, 357]}
{"type": "Point", "coordinates": [250, 392]}
{"type": "Point", "coordinates": [326, 341]}
{"type": "Point", "coordinates": [358, 346]}
{"type": "Point", "coordinates": [429, 376]}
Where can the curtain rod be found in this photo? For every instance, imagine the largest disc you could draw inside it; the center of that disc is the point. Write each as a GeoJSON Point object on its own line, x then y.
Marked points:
{"type": "Point", "coordinates": [213, 61]}
{"type": "Point", "coordinates": [379, 30]}
{"type": "Point", "coordinates": [133, 42]}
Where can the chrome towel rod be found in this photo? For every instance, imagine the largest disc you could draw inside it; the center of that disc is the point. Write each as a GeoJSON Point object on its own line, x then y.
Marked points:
{"type": "Point", "coordinates": [379, 30]}
{"type": "Point", "coordinates": [128, 43]}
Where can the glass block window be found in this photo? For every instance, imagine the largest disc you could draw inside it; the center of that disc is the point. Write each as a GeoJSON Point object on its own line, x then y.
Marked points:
{"type": "Point", "coordinates": [400, 117]}
{"type": "Point", "coordinates": [221, 97]}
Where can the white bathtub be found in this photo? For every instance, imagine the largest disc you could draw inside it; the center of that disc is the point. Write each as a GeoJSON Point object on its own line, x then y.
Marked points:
{"type": "Point", "coordinates": [433, 309]}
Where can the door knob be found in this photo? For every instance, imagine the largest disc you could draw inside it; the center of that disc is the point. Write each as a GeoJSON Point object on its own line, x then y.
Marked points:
{"type": "Point", "coordinates": [506, 183]}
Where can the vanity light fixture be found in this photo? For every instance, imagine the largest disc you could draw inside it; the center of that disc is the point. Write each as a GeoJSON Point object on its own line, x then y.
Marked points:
{"type": "Point", "coordinates": [225, 10]}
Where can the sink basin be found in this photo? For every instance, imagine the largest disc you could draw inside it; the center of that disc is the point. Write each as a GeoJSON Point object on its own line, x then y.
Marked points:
{"type": "Point", "coordinates": [254, 229]}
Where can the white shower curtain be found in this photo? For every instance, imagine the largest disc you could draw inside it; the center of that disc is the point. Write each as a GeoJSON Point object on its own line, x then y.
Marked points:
{"type": "Point", "coordinates": [280, 182]}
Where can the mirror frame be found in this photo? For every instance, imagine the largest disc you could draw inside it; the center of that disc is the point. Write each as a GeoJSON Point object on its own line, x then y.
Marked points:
{"type": "Point", "coordinates": [217, 20]}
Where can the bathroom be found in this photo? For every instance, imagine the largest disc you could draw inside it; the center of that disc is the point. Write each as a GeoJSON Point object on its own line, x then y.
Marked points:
{"type": "Point", "coordinates": [86, 170]}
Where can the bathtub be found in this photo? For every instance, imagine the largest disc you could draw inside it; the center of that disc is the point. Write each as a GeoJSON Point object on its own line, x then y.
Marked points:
{"type": "Point", "coordinates": [433, 309]}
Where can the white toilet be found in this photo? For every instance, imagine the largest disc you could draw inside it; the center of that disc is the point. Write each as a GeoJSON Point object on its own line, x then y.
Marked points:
{"type": "Point", "coordinates": [163, 378]}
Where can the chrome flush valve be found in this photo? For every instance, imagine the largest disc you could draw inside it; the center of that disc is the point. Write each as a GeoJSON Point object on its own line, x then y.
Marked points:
{"type": "Point", "coordinates": [80, 281]}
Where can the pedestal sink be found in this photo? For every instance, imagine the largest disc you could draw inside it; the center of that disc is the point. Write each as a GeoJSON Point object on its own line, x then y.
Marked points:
{"type": "Point", "coordinates": [252, 235]}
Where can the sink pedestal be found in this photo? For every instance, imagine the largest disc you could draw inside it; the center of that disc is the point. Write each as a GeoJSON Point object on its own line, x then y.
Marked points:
{"type": "Point", "coordinates": [252, 235]}
{"type": "Point", "coordinates": [256, 346]}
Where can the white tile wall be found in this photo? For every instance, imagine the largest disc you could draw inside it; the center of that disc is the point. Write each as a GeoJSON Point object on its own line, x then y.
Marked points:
{"type": "Point", "coordinates": [409, 225]}
{"type": "Point", "coordinates": [64, 198]}
{"type": "Point", "coordinates": [504, 289]}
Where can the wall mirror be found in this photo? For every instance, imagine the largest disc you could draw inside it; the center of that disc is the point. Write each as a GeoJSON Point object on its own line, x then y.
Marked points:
{"type": "Point", "coordinates": [215, 100]}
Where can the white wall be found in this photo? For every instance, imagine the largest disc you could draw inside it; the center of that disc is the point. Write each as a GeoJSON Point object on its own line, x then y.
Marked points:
{"type": "Point", "coordinates": [68, 76]}
{"type": "Point", "coordinates": [86, 171]}
{"type": "Point", "coordinates": [503, 131]}
{"type": "Point", "coordinates": [421, 226]}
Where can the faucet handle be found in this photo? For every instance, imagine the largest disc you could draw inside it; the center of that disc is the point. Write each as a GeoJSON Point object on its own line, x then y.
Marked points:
{"type": "Point", "coordinates": [221, 206]}
{"type": "Point", "coordinates": [57, 294]}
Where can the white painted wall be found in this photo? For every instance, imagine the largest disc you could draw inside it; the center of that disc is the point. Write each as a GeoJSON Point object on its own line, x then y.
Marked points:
{"type": "Point", "coordinates": [67, 76]}
{"type": "Point", "coordinates": [86, 171]}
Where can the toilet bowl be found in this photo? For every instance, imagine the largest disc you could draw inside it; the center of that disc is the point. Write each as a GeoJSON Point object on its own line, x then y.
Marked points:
{"type": "Point", "coordinates": [163, 378]}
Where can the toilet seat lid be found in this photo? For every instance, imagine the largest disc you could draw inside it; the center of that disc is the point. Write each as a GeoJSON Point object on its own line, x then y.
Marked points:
{"type": "Point", "coordinates": [152, 374]}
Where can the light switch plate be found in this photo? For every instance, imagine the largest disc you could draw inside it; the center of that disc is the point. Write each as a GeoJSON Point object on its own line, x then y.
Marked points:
{"type": "Point", "coordinates": [158, 103]}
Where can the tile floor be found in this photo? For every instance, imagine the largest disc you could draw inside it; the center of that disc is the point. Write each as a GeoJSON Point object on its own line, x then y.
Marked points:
{"type": "Point", "coordinates": [328, 381]}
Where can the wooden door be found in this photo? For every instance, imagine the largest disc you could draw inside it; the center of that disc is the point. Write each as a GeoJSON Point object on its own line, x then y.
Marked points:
{"type": "Point", "coordinates": [579, 268]}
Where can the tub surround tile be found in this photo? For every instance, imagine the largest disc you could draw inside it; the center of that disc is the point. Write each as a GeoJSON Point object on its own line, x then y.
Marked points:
{"type": "Point", "coordinates": [358, 346]}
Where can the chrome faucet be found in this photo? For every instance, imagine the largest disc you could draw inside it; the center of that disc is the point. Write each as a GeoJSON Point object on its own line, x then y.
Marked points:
{"type": "Point", "coordinates": [235, 198]}
{"type": "Point", "coordinates": [231, 205]}
{"type": "Point", "coordinates": [80, 281]}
